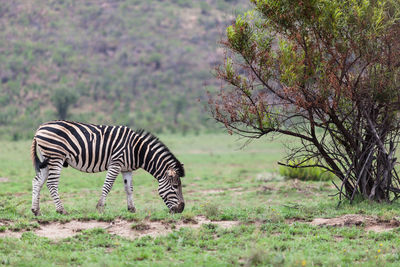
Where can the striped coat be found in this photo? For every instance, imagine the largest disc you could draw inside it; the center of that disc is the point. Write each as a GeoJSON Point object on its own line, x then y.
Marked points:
{"type": "Point", "coordinates": [96, 148]}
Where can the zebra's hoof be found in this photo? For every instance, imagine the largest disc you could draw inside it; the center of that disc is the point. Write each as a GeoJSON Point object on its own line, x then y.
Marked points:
{"type": "Point", "coordinates": [100, 208]}
{"type": "Point", "coordinates": [63, 211]}
{"type": "Point", "coordinates": [132, 209]}
{"type": "Point", "coordinates": [36, 212]}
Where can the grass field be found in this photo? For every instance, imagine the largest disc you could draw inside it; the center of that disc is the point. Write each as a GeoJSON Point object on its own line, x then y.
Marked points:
{"type": "Point", "coordinates": [271, 215]}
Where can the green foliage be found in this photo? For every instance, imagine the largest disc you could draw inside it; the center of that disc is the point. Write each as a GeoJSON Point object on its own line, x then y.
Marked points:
{"type": "Point", "coordinates": [205, 7]}
{"type": "Point", "coordinates": [291, 63]}
{"type": "Point", "coordinates": [240, 35]}
{"type": "Point", "coordinates": [138, 52]}
{"type": "Point", "coordinates": [8, 114]}
{"type": "Point", "coordinates": [305, 173]}
{"type": "Point", "coordinates": [62, 99]}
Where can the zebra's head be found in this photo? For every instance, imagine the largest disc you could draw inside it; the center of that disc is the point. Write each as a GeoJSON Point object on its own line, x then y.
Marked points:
{"type": "Point", "coordinates": [170, 189]}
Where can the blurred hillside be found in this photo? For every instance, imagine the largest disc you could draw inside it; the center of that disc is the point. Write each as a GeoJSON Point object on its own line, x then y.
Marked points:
{"type": "Point", "coordinates": [145, 64]}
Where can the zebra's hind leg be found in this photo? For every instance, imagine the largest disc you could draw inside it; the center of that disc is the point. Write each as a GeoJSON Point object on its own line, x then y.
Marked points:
{"type": "Point", "coordinates": [127, 177]}
{"type": "Point", "coordinates": [37, 184]}
{"type": "Point", "coordinates": [52, 184]}
{"type": "Point", "coordinates": [112, 173]}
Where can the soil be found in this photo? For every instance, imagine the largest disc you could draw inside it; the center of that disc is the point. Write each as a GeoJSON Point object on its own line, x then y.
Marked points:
{"type": "Point", "coordinates": [235, 190]}
{"type": "Point", "coordinates": [370, 223]}
{"type": "Point", "coordinates": [4, 180]}
{"type": "Point", "coordinates": [130, 230]}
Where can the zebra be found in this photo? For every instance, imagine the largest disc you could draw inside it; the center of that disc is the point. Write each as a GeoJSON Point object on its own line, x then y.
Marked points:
{"type": "Point", "coordinates": [96, 148]}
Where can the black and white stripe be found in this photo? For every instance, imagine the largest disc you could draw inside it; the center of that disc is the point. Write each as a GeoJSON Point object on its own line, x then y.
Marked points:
{"type": "Point", "coordinates": [96, 148]}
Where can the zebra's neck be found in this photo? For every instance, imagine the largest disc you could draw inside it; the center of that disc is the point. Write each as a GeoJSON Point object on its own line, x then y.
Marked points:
{"type": "Point", "coordinates": [151, 154]}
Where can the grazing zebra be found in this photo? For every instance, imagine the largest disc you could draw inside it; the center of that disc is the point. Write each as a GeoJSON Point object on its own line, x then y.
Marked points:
{"type": "Point", "coordinates": [96, 148]}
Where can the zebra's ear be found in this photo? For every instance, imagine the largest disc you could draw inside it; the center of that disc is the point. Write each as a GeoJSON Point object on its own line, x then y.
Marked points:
{"type": "Point", "coordinates": [181, 171]}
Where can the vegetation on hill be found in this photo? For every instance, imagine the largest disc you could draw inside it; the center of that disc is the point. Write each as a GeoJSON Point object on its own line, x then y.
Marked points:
{"type": "Point", "coordinates": [144, 64]}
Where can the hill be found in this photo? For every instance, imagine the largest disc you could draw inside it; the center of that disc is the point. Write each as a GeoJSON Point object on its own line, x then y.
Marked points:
{"type": "Point", "coordinates": [145, 64]}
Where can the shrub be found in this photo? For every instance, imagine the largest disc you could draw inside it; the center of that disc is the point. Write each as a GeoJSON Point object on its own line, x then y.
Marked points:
{"type": "Point", "coordinates": [289, 69]}
{"type": "Point", "coordinates": [257, 256]}
{"type": "Point", "coordinates": [62, 98]}
{"type": "Point", "coordinates": [211, 210]}
{"type": "Point", "coordinates": [305, 173]}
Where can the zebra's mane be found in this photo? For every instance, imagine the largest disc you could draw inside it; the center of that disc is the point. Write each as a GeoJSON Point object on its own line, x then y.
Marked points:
{"type": "Point", "coordinates": [179, 167]}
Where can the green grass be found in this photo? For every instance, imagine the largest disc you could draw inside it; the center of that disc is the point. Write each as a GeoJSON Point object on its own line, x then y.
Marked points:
{"type": "Point", "coordinates": [223, 182]}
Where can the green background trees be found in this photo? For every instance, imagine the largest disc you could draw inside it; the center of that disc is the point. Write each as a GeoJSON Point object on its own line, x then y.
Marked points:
{"type": "Point", "coordinates": [129, 62]}
{"type": "Point", "coordinates": [62, 100]}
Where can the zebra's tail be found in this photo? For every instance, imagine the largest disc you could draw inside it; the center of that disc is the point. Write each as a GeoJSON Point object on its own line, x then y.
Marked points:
{"type": "Point", "coordinates": [37, 164]}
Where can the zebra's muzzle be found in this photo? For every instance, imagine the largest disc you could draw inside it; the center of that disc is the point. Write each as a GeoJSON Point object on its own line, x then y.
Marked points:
{"type": "Point", "coordinates": [178, 208]}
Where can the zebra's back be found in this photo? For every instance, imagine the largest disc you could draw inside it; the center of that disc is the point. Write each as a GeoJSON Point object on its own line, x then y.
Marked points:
{"type": "Point", "coordinates": [86, 147]}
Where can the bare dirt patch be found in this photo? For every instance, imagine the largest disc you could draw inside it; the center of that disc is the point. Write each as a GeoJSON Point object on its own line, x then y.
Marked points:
{"type": "Point", "coordinates": [268, 177]}
{"type": "Point", "coordinates": [216, 191]}
{"type": "Point", "coordinates": [4, 222]}
{"type": "Point", "coordinates": [265, 189]}
{"type": "Point", "coordinates": [4, 180]}
{"type": "Point", "coordinates": [158, 228]}
{"type": "Point", "coordinates": [370, 223]}
{"type": "Point", "coordinates": [130, 230]}
{"type": "Point", "coordinates": [203, 220]}
{"type": "Point", "coordinates": [338, 238]}
{"type": "Point", "coordinates": [212, 191]}
{"type": "Point", "coordinates": [10, 234]}
{"type": "Point", "coordinates": [302, 187]}
{"type": "Point", "coordinates": [63, 230]}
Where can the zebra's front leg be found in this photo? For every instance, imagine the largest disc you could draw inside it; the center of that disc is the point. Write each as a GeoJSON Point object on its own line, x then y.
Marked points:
{"type": "Point", "coordinates": [112, 173]}
{"type": "Point", "coordinates": [37, 184]}
{"type": "Point", "coordinates": [128, 184]}
{"type": "Point", "coordinates": [52, 185]}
